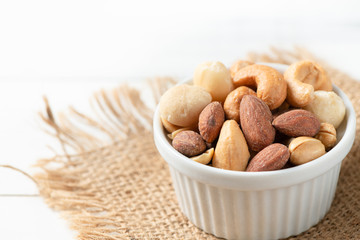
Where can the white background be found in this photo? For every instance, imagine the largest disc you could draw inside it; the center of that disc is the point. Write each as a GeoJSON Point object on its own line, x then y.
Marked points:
{"type": "Point", "coordinates": [68, 49]}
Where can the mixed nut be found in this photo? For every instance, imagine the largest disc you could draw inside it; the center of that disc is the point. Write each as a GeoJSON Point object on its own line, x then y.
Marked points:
{"type": "Point", "coordinates": [251, 117]}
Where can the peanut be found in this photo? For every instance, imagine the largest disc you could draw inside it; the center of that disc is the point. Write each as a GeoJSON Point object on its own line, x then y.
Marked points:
{"type": "Point", "coordinates": [327, 135]}
{"type": "Point", "coordinates": [204, 158]}
{"type": "Point", "coordinates": [305, 149]}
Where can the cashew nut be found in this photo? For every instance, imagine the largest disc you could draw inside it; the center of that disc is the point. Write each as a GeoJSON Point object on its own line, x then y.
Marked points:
{"type": "Point", "coordinates": [299, 94]}
{"type": "Point", "coordinates": [271, 86]}
{"type": "Point", "coordinates": [237, 66]}
{"type": "Point", "coordinates": [303, 78]}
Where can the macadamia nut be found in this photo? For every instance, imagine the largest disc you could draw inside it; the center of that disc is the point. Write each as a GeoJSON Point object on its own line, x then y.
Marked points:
{"type": "Point", "coordinates": [182, 104]}
{"type": "Point", "coordinates": [215, 78]}
{"type": "Point", "coordinates": [328, 107]}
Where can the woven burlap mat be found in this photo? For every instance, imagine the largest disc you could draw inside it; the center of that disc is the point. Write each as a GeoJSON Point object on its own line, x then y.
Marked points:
{"type": "Point", "coordinates": [111, 183]}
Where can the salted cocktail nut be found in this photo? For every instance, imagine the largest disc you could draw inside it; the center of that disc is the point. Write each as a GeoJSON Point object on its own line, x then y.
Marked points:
{"type": "Point", "coordinates": [231, 151]}
{"type": "Point", "coordinates": [328, 107]}
{"type": "Point", "coordinates": [237, 66]}
{"type": "Point", "coordinates": [215, 78]}
{"type": "Point", "coordinates": [299, 93]}
{"type": "Point", "coordinates": [311, 73]}
{"type": "Point", "coordinates": [176, 132]}
{"type": "Point", "coordinates": [327, 135]}
{"type": "Point", "coordinates": [189, 143]}
{"type": "Point", "coordinates": [211, 119]}
{"type": "Point", "coordinates": [271, 85]}
{"type": "Point", "coordinates": [255, 120]}
{"type": "Point", "coordinates": [297, 123]}
{"type": "Point", "coordinates": [204, 158]}
{"type": "Point", "coordinates": [182, 104]}
{"type": "Point", "coordinates": [303, 78]}
{"type": "Point", "coordinates": [168, 126]}
{"type": "Point", "coordinates": [305, 149]}
{"type": "Point", "coordinates": [273, 157]}
{"type": "Point", "coordinates": [232, 102]}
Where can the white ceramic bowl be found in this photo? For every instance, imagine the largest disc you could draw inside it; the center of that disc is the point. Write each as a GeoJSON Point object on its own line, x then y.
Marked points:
{"type": "Point", "coordinates": [257, 205]}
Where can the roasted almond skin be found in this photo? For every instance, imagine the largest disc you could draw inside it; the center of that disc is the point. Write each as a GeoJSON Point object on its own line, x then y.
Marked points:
{"type": "Point", "coordinates": [273, 157]}
{"type": "Point", "coordinates": [255, 120]}
{"type": "Point", "coordinates": [189, 143]}
{"type": "Point", "coordinates": [211, 119]}
{"type": "Point", "coordinates": [297, 123]}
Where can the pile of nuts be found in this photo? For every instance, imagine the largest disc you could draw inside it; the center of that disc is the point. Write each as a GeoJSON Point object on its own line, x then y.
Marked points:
{"type": "Point", "coordinates": [251, 117]}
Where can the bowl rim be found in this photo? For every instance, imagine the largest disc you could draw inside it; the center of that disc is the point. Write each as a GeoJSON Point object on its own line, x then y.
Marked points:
{"type": "Point", "coordinates": [258, 180]}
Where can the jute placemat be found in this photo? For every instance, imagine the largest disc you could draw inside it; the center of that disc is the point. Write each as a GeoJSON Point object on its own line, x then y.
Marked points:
{"type": "Point", "coordinates": [111, 183]}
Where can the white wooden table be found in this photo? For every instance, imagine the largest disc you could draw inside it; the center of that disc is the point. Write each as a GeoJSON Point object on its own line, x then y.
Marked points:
{"type": "Point", "coordinates": [70, 49]}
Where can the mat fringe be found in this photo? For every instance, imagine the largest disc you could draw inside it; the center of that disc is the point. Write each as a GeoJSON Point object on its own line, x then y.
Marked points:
{"type": "Point", "coordinates": [121, 114]}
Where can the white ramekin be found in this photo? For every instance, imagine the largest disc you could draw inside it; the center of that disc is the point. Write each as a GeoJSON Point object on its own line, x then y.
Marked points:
{"type": "Point", "coordinates": [257, 205]}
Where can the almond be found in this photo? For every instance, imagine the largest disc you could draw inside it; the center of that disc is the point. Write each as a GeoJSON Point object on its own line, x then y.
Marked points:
{"type": "Point", "coordinates": [273, 157]}
{"type": "Point", "coordinates": [231, 151]}
{"type": "Point", "coordinates": [297, 123]}
{"type": "Point", "coordinates": [255, 120]}
{"type": "Point", "coordinates": [210, 121]}
{"type": "Point", "coordinates": [189, 143]}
